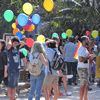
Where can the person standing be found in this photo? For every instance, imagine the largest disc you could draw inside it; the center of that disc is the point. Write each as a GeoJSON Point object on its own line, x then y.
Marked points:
{"type": "Point", "coordinates": [68, 52]}
{"type": "Point", "coordinates": [50, 47]}
{"type": "Point", "coordinates": [83, 67]}
{"type": "Point", "coordinates": [12, 51]}
{"type": "Point", "coordinates": [37, 52]}
{"type": "Point", "coordinates": [3, 63]}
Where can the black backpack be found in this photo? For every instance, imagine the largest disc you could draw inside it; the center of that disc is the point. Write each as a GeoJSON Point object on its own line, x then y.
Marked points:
{"type": "Point", "coordinates": [57, 63]}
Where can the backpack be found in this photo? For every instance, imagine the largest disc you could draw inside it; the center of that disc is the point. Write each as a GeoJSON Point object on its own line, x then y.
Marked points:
{"type": "Point", "coordinates": [33, 67]}
{"type": "Point", "coordinates": [57, 63]}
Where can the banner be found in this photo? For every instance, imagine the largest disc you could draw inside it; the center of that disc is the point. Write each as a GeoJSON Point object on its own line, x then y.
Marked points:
{"type": "Point", "coordinates": [97, 74]}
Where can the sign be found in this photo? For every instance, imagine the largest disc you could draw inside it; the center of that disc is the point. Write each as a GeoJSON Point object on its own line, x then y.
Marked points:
{"type": "Point", "coordinates": [6, 36]}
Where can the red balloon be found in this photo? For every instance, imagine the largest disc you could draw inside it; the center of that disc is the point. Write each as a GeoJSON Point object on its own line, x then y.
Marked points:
{"type": "Point", "coordinates": [26, 27]}
{"type": "Point", "coordinates": [29, 42]}
{"type": "Point", "coordinates": [88, 33]}
{"type": "Point", "coordinates": [28, 17]}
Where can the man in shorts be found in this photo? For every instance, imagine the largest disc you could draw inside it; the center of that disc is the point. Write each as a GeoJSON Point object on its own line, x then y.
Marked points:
{"type": "Point", "coordinates": [52, 75]}
{"type": "Point", "coordinates": [12, 51]}
{"type": "Point", "coordinates": [83, 67]}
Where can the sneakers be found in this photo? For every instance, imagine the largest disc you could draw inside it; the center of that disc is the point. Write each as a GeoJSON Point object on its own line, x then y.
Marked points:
{"type": "Point", "coordinates": [68, 94]}
{"type": "Point", "coordinates": [69, 76]}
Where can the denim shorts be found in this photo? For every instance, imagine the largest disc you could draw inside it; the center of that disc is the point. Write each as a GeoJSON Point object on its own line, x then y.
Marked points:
{"type": "Point", "coordinates": [13, 78]}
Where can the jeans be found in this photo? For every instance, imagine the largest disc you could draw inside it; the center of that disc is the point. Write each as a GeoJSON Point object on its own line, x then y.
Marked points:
{"type": "Point", "coordinates": [71, 67]}
{"type": "Point", "coordinates": [36, 84]}
{"type": "Point", "coordinates": [90, 72]}
{"type": "Point", "coordinates": [13, 78]}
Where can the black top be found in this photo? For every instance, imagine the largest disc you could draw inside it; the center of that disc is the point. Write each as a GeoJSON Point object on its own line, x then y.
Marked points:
{"type": "Point", "coordinates": [3, 60]}
{"type": "Point", "coordinates": [21, 54]}
{"type": "Point", "coordinates": [26, 47]}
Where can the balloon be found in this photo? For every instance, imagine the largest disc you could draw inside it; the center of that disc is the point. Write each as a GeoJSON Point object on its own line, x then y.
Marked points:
{"type": "Point", "coordinates": [36, 18]}
{"type": "Point", "coordinates": [29, 22]}
{"type": "Point", "coordinates": [41, 38]}
{"type": "Point", "coordinates": [26, 27]}
{"type": "Point", "coordinates": [19, 34]}
{"type": "Point", "coordinates": [27, 8]}
{"type": "Point", "coordinates": [16, 22]}
{"type": "Point", "coordinates": [73, 33]}
{"type": "Point", "coordinates": [22, 19]}
{"type": "Point", "coordinates": [8, 15]}
{"type": "Point", "coordinates": [64, 35]}
{"type": "Point", "coordinates": [13, 25]}
{"type": "Point", "coordinates": [15, 31]}
{"type": "Point", "coordinates": [54, 34]}
{"type": "Point", "coordinates": [97, 38]}
{"type": "Point", "coordinates": [72, 36]}
{"type": "Point", "coordinates": [24, 51]}
{"type": "Point", "coordinates": [94, 34]}
{"type": "Point", "coordinates": [31, 28]}
{"type": "Point", "coordinates": [19, 27]}
{"type": "Point", "coordinates": [48, 5]}
{"type": "Point", "coordinates": [69, 32]}
{"type": "Point", "coordinates": [23, 31]}
{"type": "Point", "coordinates": [88, 33]}
{"type": "Point", "coordinates": [28, 17]}
{"type": "Point", "coordinates": [29, 42]}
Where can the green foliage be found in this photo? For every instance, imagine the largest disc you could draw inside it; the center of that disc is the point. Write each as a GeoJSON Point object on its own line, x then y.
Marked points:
{"type": "Point", "coordinates": [85, 16]}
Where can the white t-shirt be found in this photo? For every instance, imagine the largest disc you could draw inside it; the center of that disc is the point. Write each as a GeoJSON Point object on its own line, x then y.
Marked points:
{"type": "Point", "coordinates": [83, 52]}
{"type": "Point", "coordinates": [95, 49]}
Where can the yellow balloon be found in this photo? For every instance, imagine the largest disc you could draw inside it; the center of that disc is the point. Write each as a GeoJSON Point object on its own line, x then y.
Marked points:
{"type": "Point", "coordinates": [23, 31]}
{"type": "Point", "coordinates": [13, 25]}
{"type": "Point", "coordinates": [41, 38]}
{"type": "Point", "coordinates": [27, 8]}
{"type": "Point", "coordinates": [94, 34]}
{"type": "Point", "coordinates": [69, 32]}
{"type": "Point", "coordinates": [48, 5]}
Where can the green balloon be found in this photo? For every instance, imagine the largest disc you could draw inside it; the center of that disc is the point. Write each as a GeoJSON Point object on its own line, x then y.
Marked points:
{"type": "Point", "coordinates": [64, 35]}
{"type": "Point", "coordinates": [54, 34]}
{"type": "Point", "coordinates": [72, 36]}
{"type": "Point", "coordinates": [8, 15]}
{"type": "Point", "coordinates": [24, 51]}
{"type": "Point", "coordinates": [99, 53]}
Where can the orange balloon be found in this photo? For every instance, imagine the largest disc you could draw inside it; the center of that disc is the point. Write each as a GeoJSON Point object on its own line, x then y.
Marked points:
{"type": "Point", "coordinates": [31, 28]}
{"type": "Point", "coordinates": [16, 20]}
{"type": "Point", "coordinates": [15, 31]}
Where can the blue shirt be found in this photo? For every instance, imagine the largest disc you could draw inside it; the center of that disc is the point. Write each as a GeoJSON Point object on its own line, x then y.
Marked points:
{"type": "Point", "coordinates": [69, 50]}
{"type": "Point", "coordinates": [13, 56]}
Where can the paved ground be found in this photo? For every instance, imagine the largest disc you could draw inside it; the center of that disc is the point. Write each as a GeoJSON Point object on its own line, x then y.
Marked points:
{"type": "Point", "coordinates": [92, 95]}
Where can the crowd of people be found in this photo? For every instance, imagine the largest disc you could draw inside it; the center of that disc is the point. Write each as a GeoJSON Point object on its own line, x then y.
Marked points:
{"type": "Point", "coordinates": [48, 80]}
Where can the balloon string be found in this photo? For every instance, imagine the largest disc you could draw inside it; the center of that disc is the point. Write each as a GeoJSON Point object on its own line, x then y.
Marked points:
{"type": "Point", "coordinates": [50, 22]}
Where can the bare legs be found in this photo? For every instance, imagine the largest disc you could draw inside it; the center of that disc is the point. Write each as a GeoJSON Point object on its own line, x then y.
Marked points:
{"type": "Point", "coordinates": [64, 83]}
{"type": "Point", "coordinates": [11, 93]}
{"type": "Point", "coordinates": [83, 92]}
{"type": "Point", "coordinates": [56, 92]}
{"type": "Point", "coordinates": [46, 92]}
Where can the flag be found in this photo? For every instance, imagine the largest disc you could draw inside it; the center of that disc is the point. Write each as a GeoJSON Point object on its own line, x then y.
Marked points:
{"type": "Point", "coordinates": [78, 46]}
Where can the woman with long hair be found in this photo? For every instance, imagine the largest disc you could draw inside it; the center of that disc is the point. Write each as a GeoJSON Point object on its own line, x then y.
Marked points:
{"type": "Point", "coordinates": [37, 51]}
{"type": "Point", "coordinates": [3, 63]}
